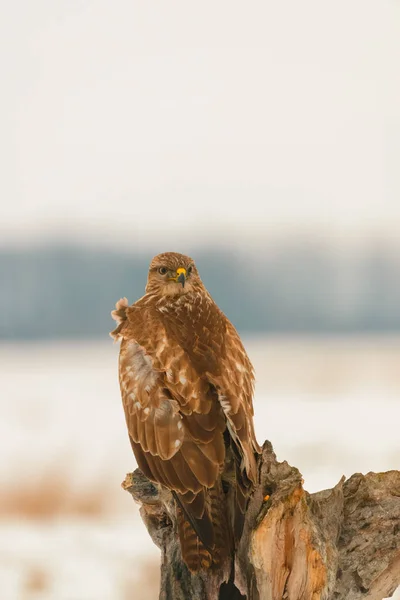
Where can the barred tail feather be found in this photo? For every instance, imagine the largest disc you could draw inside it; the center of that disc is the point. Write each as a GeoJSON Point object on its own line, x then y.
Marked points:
{"type": "Point", "coordinates": [205, 540]}
{"type": "Point", "coordinates": [194, 553]}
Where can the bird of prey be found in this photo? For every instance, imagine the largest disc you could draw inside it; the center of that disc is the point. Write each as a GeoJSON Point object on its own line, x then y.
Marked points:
{"type": "Point", "coordinates": [187, 385]}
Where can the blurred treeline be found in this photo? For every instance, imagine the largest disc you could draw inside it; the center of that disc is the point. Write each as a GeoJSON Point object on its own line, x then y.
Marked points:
{"type": "Point", "coordinates": [68, 292]}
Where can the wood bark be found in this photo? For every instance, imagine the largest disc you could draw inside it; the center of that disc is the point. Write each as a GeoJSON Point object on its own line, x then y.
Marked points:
{"type": "Point", "coordinates": [337, 544]}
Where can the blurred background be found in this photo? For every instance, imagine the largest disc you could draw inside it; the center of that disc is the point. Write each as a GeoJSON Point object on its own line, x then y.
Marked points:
{"type": "Point", "coordinates": [264, 141]}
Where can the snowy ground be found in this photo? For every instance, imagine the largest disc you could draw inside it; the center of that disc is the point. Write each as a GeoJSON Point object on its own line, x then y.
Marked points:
{"type": "Point", "coordinates": [68, 531]}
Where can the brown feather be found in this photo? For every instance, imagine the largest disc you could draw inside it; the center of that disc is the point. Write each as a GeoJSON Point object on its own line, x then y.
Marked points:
{"type": "Point", "coordinates": [204, 470]}
{"type": "Point", "coordinates": [187, 385]}
{"type": "Point", "coordinates": [194, 553]}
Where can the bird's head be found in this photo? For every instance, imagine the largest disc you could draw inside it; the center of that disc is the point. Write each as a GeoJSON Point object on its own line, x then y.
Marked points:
{"type": "Point", "coordinates": [172, 274]}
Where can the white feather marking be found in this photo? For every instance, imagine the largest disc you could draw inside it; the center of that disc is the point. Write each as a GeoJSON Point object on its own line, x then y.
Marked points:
{"type": "Point", "coordinates": [177, 443]}
{"type": "Point", "coordinates": [180, 425]}
{"type": "Point", "coordinates": [240, 367]}
{"type": "Point", "coordinates": [233, 433]}
{"type": "Point", "coordinates": [182, 379]}
{"type": "Point", "coordinates": [132, 396]}
{"type": "Point", "coordinates": [146, 411]}
{"type": "Point", "coordinates": [226, 406]}
{"type": "Point", "coordinates": [148, 388]}
{"type": "Point", "coordinates": [169, 374]}
{"type": "Point", "coordinates": [141, 365]}
{"type": "Point", "coordinates": [138, 405]}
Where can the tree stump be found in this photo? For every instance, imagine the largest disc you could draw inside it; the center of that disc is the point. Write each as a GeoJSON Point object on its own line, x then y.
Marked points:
{"type": "Point", "coordinates": [338, 544]}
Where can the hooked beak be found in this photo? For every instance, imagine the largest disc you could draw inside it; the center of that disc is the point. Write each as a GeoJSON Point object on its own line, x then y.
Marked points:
{"type": "Point", "coordinates": [181, 276]}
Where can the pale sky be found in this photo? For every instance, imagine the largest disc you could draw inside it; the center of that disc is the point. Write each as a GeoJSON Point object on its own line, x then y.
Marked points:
{"type": "Point", "coordinates": [125, 120]}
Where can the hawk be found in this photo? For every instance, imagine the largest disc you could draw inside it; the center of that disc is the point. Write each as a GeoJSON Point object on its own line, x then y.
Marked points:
{"type": "Point", "coordinates": [187, 385]}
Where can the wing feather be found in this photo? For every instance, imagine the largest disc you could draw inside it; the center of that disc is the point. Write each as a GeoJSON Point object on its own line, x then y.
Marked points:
{"type": "Point", "coordinates": [182, 383]}
{"type": "Point", "coordinates": [204, 470]}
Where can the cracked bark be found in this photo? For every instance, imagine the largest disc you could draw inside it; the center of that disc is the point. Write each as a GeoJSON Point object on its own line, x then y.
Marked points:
{"type": "Point", "coordinates": [338, 544]}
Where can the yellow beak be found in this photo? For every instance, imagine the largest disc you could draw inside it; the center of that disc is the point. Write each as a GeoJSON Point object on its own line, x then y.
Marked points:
{"type": "Point", "coordinates": [181, 276]}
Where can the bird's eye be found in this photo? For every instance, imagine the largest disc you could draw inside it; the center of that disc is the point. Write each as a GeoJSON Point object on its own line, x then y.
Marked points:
{"type": "Point", "coordinates": [162, 270]}
{"type": "Point", "coordinates": [190, 269]}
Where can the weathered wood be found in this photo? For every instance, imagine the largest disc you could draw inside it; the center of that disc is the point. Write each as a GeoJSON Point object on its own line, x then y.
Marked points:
{"type": "Point", "coordinates": [338, 544]}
